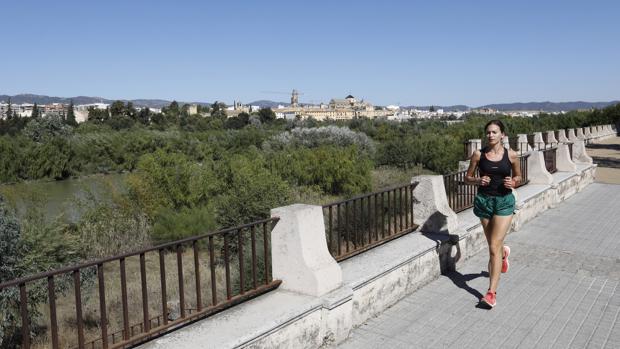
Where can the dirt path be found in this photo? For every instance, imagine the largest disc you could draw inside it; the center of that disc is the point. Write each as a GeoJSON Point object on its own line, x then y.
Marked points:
{"type": "Point", "coordinates": [607, 155]}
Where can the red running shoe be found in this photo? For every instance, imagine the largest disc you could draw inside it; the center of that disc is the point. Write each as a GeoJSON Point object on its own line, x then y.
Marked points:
{"type": "Point", "coordinates": [489, 299]}
{"type": "Point", "coordinates": [505, 263]}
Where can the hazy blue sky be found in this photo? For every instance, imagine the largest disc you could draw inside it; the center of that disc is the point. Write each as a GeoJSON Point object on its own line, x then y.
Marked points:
{"type": "Point", "coordinates": [388, 52]}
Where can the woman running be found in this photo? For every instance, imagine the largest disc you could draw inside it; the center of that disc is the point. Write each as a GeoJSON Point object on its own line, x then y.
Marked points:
{"type": "Point", "coordinates": [494, 204]}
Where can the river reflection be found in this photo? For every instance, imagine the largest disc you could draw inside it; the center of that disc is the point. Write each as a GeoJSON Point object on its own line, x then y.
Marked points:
{"type": "Point", "coordinates": [67, 199]}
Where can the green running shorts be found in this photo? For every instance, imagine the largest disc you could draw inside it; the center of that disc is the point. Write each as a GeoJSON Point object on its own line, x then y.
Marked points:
{"type": "Point", "coordinates": [486, 206]}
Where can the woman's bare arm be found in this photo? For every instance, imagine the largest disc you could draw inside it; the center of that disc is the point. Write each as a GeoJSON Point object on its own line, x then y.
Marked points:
{"type": "Point", "coordinates": [470, 177]}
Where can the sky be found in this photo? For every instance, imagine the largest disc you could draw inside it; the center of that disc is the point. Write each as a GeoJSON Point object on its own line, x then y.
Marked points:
{"type": "Point", "coordinates": [386, 52]}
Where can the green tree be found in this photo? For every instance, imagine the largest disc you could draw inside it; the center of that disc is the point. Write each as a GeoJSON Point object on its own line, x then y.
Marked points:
{"type": "Point", "coordinates": [171, 180]}
{"type": "Point", "coordinates": [218, 110]}
{"type": "Point", "coordinates": [10, 161]}
{"type": "Point", "coordinates": [41, 130]}
{"type": "Point", "coordinates": [144, 116]}
{"type": "Point", "coordinates": [51, 159]}
{"type": "Point", "coordinates": [35, 111]}
{"type": "Point", "coordinates": [130, 110]}
{"type": "Point", "coordinates": [12, 252]}
{"type": "Point", "coordinates": [71, 115]}
{"type": "Point", "coordinates": [172, 111]}
{"type": "Point", "coordinates": [9, 111]}
{"type": "Point", "coordinates": [98, 115]}
{"type": "Point", "coordinates": [237, 122]}
{"type": "Point", "coordinates": [252, 190]}
{"type": "Point", "coordinates": [266, 115]}
{"type": "Point", "coordinates": [334, 170]}
{"type": "Point", "coordinates": [117, 108]}
{"type": "Point", "coordinates": [30, 248]}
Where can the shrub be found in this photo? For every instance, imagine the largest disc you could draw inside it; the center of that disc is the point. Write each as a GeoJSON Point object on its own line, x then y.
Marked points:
{"type": "Point", "coordinates": [43, 129]}
{"type": "Point", "coordinates": [170, 225]}
{"type": "Point", "coordinates": [316, 137]}
{"type": "Point", "coordinates": [252, 191]}
{"type": "Point", "coordinates": [9, 161]}
{"type": "Point", "coordinates": [24, 250]}
{"type": "Point", "coordinates": [335, 170]}
{"type": "Point", "coordinates": [107, 230]}
{"type": "Point", "coordinates": [171, 180]}
{"type": "Point", "coordinates": [51, 159]}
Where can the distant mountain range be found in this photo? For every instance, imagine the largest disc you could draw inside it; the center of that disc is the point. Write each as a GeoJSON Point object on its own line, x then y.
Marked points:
{"type": "Point", "coordinates": [268, 104]}
{"type": "Point", "coordinates": [159, 103]}
{"type": "Point", "coordinates": [532, 106]}
{"type": "Point", "coordinates": [459, 107]}
{"type": "Point", "coordinates": [550, 106]}
{"type": "Point", "coordinates": [39, 99]}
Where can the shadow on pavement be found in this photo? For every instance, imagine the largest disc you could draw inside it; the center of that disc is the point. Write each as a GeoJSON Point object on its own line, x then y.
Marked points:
{"type": "Point", "coordinates": [606, 162]}
{"type": "Point", "coordinates": [461, 280]}
{"type": "Point", "coordinates": [604, 146]}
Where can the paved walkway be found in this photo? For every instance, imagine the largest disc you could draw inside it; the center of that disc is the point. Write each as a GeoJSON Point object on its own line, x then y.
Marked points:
{"type": "Point", "coordinates": [562, 290]}
{"type": "Point", "coordinates": [607, 155]}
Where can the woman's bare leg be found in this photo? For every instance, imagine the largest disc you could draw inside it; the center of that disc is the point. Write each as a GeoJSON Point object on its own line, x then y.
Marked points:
{"type": "Point", "coordinates": [499, 228]}
{"type": "Point", "coordinates": [486, 226]}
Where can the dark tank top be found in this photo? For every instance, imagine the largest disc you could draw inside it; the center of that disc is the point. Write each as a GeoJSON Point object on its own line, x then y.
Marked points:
{"type": "Point", "coordinates": [497, 171]}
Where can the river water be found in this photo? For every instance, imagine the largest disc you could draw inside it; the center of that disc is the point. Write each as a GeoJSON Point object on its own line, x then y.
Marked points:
{"type": "Point", "coordinates": [67, 199]}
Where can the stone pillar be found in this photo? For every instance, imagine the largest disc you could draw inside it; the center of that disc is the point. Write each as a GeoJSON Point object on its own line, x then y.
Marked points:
{"type": "Point", "coordinates": [299, 253]}
{"type": "Point", "coordinates": [522, 144]}
{"type": "Point", "coordinates": [536, 170]}
{"type": "Point", "coordinates": [579, 153]}
{"type": "Point", "coordinates": [562, 136]}
{"type": "Point", "coordinates": [505, 142]}
{"type": "Point", "coordinates": [587, 133]}
{"type": "Point", "coordinates": [431, 209]}
{"type": "Point", "coordinates": [563, 162]}
{"type": "Point", "coordinates": [595, 130]}
{"type": "Point", "coordinates": [572, 136]}
{"type": "Point", "coordinates": [551, 138]}
{"type": "Point", "coordinates": [472, 146]}
{"type": "Point", "coordinates": [580, 134]}
{"type": "Point", "coordinates": [539, 142]}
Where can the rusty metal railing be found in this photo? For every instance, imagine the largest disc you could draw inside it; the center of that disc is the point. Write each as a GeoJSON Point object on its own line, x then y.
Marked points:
{"type": "Point", "coordinates": [523, 163]}
{"type": "Point", "coordinates": [549, 151]}
{"type": "Point", "coordinates": [550, 158]}
{"type": "Point", "coordinates": [460, 194]}
{"type": "Point", "coordinates": [213, 272]}
{"type": "Point", "coordinates": [358, 224]}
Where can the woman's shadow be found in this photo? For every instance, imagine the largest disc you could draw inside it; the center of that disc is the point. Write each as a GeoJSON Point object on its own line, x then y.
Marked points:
{"type": "Point", "coordinates": [461, 280]}
{"type": "Point", "coordinates": [449, 255]}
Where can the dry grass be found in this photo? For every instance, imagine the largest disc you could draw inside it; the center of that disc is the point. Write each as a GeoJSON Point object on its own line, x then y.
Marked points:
{"type": "Point", "coordinates": [385, 177]}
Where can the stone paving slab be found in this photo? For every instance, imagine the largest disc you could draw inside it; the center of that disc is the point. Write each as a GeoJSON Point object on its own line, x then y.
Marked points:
{"type": "Point", "coordinates": [562, 290]}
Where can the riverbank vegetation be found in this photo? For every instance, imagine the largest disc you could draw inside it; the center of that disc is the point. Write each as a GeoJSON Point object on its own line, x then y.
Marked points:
{"type": "Point", "coordinates": [189, 174]}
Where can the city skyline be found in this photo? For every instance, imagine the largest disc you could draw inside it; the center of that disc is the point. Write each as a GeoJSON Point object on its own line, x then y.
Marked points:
{"type": "Point", "coordinates": [406, 53]}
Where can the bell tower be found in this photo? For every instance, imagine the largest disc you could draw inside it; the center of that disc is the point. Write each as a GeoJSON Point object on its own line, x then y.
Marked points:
{"type": "Point", "coordinates": [294, 98]}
